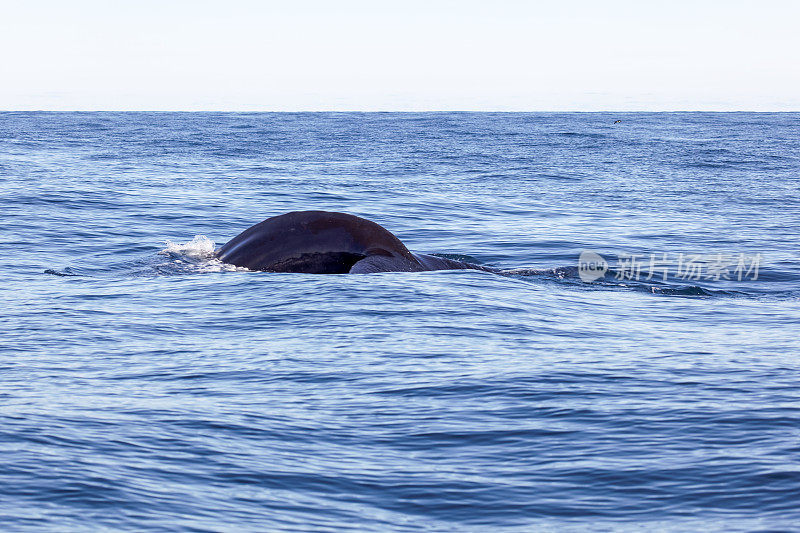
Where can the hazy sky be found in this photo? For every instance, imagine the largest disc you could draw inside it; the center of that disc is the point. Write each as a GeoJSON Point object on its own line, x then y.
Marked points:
{"type": "Point", "coordinates": [400, 55]}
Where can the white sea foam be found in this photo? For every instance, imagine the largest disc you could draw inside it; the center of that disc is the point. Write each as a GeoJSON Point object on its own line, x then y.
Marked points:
{"type": "Point", "coordinates": [200, 247]}
{"type": "Point", "coordinates": [197, 255]}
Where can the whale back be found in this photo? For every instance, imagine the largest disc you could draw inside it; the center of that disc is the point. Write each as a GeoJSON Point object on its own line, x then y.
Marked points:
{"type": "Point", "coordinates": [316, 242]}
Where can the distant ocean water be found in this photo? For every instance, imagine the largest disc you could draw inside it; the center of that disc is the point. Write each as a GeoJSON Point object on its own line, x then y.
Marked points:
{"type": "Point", "coordinates": [146, 386]}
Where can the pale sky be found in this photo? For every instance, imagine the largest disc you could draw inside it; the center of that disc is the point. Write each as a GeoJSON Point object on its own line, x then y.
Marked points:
{"type": "Point", "coordinates": [400, 55]}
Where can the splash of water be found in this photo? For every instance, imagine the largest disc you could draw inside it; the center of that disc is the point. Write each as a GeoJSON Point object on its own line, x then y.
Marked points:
{"type": "Point", "coordinates": [200, 247]}
{"type": "Point", "coordinates": [197, 255]}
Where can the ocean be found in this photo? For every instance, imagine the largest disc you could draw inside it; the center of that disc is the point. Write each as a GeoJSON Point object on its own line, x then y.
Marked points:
{"type": "Point", "coordinates": [634, 366]}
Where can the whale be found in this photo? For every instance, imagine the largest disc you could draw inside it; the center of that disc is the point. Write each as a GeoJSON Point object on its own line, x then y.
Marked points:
{"type": "Point", "coordinates": [323, 242]}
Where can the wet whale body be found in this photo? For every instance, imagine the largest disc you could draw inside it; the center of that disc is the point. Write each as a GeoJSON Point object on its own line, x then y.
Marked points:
{"type": "Point", "coordinates": [322, 242]}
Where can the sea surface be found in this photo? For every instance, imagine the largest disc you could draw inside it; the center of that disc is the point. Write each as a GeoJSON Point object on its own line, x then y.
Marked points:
{"type": "Point", "coordinates": [146, 386]}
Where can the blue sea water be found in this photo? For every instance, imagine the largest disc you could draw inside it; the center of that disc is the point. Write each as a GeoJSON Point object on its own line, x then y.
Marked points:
{"type": "Point", "coordinates": [148, 387]}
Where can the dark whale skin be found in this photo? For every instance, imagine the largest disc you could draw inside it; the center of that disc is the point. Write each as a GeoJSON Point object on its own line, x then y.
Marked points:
{"type": "Point", "coordinates": [322, 242]}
